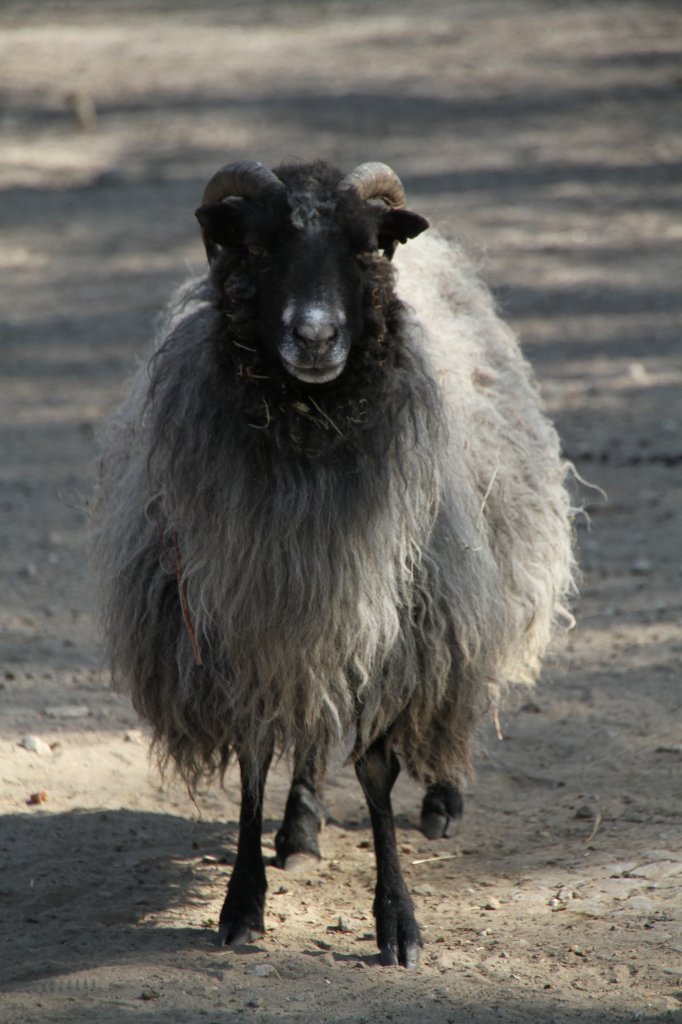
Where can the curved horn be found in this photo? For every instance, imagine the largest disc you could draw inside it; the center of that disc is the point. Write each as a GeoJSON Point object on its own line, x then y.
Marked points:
{"type": "Point", "coordinates": [246, 178]}
{"type": "Point", "coordinates": [375, 180]}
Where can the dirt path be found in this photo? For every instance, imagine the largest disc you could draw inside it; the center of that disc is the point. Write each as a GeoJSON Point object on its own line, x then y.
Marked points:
{"type": "Point", "coordinates": [547, 136]}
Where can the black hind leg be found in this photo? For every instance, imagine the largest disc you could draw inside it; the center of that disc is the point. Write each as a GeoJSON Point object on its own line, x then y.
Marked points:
{"type": "Point", "coordinates": [441, 810]}
{"type": "Point", "coordinates": [296, 842]}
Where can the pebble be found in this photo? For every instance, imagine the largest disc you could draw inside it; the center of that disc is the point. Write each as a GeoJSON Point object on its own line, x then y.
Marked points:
{"type": "Point", "coordinates": [596, 907]}
{"type": "Point", "coordinates": [638, 373]}
{"type": "Point", "coordinates": [255, 1001]}
{"type": "Point", "coordinates": [531, 708]}
{"type": "Point", "coordinates": [111, 177]}
{"type": "Point", "coordinates": [36, 745]}
{"type": "Point", "coordinates": [640, 905]}
{"type": "Point", "coordinates": [584, 811]}
{"type": "Point", "coordinates": [641, 567]}
{"type": "Point", "coordinates": [68, 711]}
{"type": "Point", "coordinates": [423, 890]}
{"type": "Point", "coordinates": [492, 904]}
{"type": "Point", "coordinates": [83, 109]}
{"type": "Point", "coordinates": [658, 870]}
{"type": "Point", "coordinates": [448, 959]}
{"type": "Point", "coordinates": [261, 970]}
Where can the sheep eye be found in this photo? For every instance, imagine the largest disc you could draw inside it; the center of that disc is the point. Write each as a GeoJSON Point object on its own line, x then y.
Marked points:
{"type": "Point", "coordinates": [257, 250]}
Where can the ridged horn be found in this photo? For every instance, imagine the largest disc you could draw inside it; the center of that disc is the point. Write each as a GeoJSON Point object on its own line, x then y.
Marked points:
{"type": "Point", "coordinates": [246, 178]}
{"type": "Point", "coordinates": [375, 180]}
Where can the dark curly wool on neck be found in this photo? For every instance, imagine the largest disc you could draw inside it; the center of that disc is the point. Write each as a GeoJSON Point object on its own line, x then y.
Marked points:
{"type": "Point", "coordinates": [346, 422]}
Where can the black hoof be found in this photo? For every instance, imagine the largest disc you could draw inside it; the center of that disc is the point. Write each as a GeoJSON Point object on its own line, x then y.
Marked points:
{"type": "Point", "coordinates": [398, 936]}
{"type": "Point", "coordinates": [388, 956]}
{"type": "Point", "coordinates": [242, 917]}
{"type": "Point", "coordinates": [236, 933]}
{"type": "Point", "coordinates": [408, 957]}
{"type": "Point", "coordinates": [234, 936]}
{"type": "Point", "coordinates": [296, 842]}
{"type": "Point", "coordinates": [300, 862]}
{"type": "Point", "coordinates": [441, 811]}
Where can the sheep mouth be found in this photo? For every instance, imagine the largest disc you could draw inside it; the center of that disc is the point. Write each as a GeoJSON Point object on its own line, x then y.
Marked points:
{"type": "Point", "coordinates": [314, 374]}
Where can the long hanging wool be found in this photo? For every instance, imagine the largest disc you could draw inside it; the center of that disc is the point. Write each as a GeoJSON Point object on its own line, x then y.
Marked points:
{"type": "Point", "coordinates": [285, 565]}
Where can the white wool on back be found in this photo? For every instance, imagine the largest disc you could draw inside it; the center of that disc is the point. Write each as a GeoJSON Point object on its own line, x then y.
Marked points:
{"type": "Point", "coordinates": [511, 449]}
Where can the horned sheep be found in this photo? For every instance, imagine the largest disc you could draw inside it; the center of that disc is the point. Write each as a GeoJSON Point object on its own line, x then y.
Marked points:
{"type": "Point", "coordinates": [330, 512]}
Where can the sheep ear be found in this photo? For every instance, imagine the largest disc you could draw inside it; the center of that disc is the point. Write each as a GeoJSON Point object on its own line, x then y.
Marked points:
{"type": "Point", "coordinates": [221, 223]}
{"type": "Point", "coordinates": [397, 226]}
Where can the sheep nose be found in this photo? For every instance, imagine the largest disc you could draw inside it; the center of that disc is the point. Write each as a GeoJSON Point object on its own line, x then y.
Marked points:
{"type": "Point", "coordinates": [316, 334]}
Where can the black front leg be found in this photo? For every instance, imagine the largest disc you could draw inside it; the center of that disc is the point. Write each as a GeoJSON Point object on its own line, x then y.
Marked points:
{"type": "Point", "coordinates": [398, 935]}
{"type": "Point", "coordinates": [296, 842]}
{"type": "Point", "coordinates": [242, 915]}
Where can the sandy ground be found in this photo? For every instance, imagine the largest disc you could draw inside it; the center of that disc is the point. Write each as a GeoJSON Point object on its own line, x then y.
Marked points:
{"type": "Point", "coordinates": [545, 135]}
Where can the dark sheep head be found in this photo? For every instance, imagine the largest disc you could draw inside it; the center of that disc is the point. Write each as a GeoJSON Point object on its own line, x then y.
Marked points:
{"type": "Point", "coordinates": [308, 234]}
